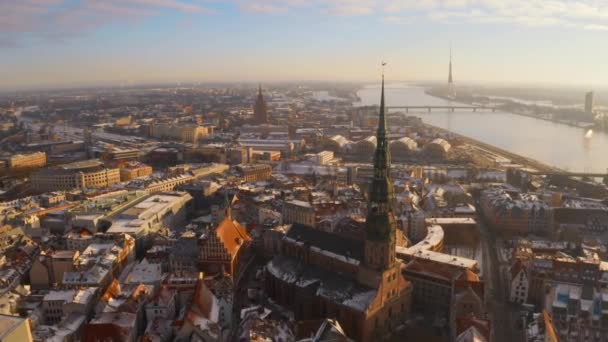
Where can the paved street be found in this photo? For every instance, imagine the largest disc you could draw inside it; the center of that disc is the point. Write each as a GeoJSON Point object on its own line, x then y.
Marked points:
{"type": "Point", "coordinates": [502, 314]}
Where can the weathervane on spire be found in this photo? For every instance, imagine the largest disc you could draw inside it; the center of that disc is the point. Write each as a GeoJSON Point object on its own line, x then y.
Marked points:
{"type": "Point", "coordinates": [383, 65]}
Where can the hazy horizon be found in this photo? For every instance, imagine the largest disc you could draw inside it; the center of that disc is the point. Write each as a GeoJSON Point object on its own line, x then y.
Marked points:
{"type": "Point", "coordinates": [279, 83]}
{"type": "Point", "coordinates": [71, 43]}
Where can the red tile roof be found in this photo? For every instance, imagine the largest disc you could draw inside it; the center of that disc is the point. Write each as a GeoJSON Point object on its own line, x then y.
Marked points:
{"type": "Point", "coordinates": [232, 235]}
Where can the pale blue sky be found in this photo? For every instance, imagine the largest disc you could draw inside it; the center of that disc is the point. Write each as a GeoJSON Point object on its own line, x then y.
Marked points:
{"type": "Point", "coordinates": [73, 42]}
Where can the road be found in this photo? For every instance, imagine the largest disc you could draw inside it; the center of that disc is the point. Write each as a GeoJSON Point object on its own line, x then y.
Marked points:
{"type": "Point", "coordinates": [502, 314]}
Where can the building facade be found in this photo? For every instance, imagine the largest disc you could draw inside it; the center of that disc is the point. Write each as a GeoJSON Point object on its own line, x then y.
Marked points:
{"type": "Point", "coordinates": [26, 161]}
{"type": "Point", "coordinates": [516, 214]}
{"type": "Point", "coordinates": [254, 172]}
{"type": "Point", "coordinates": [77, 175]}
{"type": "Point", "coordinates": [224, 249]}
{"type": "Point", "coordinates": [134, 170]}
{"type": "Point", "coordinates": [296, 211]}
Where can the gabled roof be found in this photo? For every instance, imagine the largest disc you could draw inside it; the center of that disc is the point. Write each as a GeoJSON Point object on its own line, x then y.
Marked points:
{"type": "Point", "coordinates": [232, 235]}
{"type": "Point", "coordinates": [517, 267]}
{"type": "Point", "coordinates": [323, 330]}
{"type": "Point", "coordinates": [550, 334]}
{"type": "Point", "coordinates": [334, 243]}
{"type": "Point", "coordinates": [472, 334]}
{"type": "Point", "coordinates": [481, 328]}
{"type": "Point", "coordinates": [434, 269]}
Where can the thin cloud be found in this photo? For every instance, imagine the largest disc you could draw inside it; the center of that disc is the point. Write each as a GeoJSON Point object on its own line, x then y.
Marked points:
{"type": "Point", "coordinates": [264, 8]}
{"type": "Point", "coordinates": [24, 21]}
{"type": "Point", "coordinates": [596, 27]}
{"type": "Point", "coordinates": [582, 14]}
{"type": "Point", "coordinates": [59, 20]}
{"type": "Point", "coordinates": [397, 20]}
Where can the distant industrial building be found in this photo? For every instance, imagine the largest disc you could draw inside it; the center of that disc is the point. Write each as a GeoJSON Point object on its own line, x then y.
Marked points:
{"type": "Point", "coordinates": [402, 149]}
{"type": "Point", "coordinates": [336, 143]}
{"type": "Point", "coordinates": [285, 146]}
{"type": "Point", "coordinates": [438, 149]}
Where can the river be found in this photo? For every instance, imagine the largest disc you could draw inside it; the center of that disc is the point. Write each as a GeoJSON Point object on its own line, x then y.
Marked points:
{"type": "Point", "coordinates": [559, 145]}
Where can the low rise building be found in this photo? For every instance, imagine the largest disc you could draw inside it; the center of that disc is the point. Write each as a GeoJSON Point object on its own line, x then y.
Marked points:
{"type": "Point", "coordinates": [516, 214]}
{"type": "Point", "coordinates": [145, 273]}
{"type": "Point", "coordinates": [25, 161]}
{"type": "Point", "coordinates": [296, 211]}
{"type": "Point", "coordinates": [77, 175]}
{"type": "Point", "coordinates": [578, 312]}
{"type": "Point", "coordinates": [112, 326]}
{"type": "Point", "coordinates": [253, 172]}
{"type": "Point", "coordinates": [49, 267]}
{"type": "Point", "coordinates": [133, 170]}
{"type": "Point", "coordinates": [52, 305]}
{"type": "Point", "coordinates": [285, 146]}
{"type": "Point", "coordinates": [323, 157]}
{"type": "Point", "coordinates": [149, 215]}
{"type": "Point", "coordinates": [185, 133]}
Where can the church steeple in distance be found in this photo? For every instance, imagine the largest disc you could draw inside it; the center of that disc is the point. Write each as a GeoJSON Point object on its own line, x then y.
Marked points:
{"type": "Point", "coordinates": [260, 111]}
{"type": "Point", "coordinates": [380, 225]}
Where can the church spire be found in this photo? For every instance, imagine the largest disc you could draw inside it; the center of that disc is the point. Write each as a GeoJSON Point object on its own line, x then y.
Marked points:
{"type": "Point", "coordinates": [380, 224]}
{"type": "Point", "coordinates": [382, 158]}
{"type": "Point", "coordinates": [260, 110]}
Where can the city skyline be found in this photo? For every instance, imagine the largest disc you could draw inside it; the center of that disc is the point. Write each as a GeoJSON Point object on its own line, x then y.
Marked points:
{"type": "Point", "coordinates": [87, 43]}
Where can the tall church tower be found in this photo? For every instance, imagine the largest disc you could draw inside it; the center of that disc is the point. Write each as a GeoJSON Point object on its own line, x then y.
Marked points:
{"type": "Point", "coordinates": [380, 225]}
{"type": "Point", "coordinates": [260, 111]}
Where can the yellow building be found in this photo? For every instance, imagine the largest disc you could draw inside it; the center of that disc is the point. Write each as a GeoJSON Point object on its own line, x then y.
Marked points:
{"type": "Point", "coordinates": [77, 175]}
{"type": "Point", "coordinates": [26, 161]}
{"type": "Point", "coordinates": [186, 133]}
{"type": "Point", "coordinates": [14, 329]}
{"type": "Point", "coordinates": [123, 121]}
{"type": "Point", "coordinates": [134, 170]}
{"type": "Point", "coordinates": [254, 172]}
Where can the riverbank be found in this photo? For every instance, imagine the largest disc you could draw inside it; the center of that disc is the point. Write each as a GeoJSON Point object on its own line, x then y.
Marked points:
{"type": "Point", "coordinates": [515, 158]}
{"type": "Point", "coordinates": [551, 145]}
{"type": "Point", "coordinates": [568, 123]}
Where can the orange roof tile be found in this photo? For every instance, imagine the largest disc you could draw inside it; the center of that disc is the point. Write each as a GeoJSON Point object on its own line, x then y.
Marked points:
{"type": "Point", "coordinates": [550, 334]}
{"type": "Point", "coordinates": [232, 235]}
